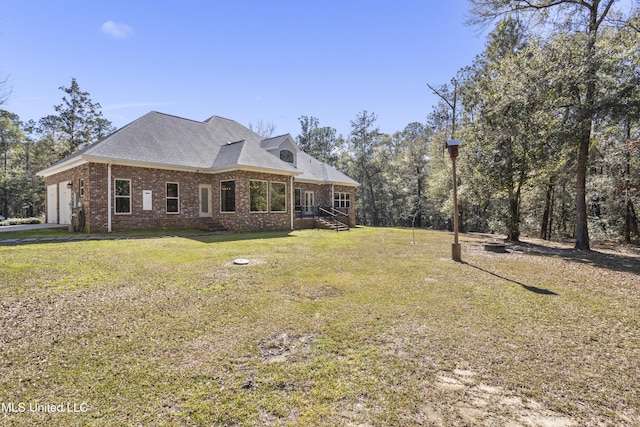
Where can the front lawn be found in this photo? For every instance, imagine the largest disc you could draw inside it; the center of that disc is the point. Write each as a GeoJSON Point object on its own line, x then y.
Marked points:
{"type": "Point", "coordinates": [321, 328]}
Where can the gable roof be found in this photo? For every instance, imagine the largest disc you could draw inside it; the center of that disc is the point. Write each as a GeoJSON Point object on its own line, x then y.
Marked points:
{"type": "Point", "coordinates": [275, 142]}
{"type": "Point", "coordinates": [313, 170]}
{"type": "Point", "coordinates": [168, 142]}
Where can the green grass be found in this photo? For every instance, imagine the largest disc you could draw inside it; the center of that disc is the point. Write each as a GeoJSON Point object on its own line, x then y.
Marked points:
{"type": "Point", "coordinates": [63, 232]}
{"type": "Point", "coordinates": [321, 328]}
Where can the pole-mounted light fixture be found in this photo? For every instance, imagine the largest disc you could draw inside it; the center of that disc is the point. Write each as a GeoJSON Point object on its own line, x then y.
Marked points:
{"type": "Point", "coordinates": [456, 251]}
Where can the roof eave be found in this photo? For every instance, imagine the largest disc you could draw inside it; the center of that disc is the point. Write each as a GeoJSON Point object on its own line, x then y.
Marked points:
{"type": "Point", "coordinates": [83, 159]}
{"type": "Point", "coordinates": [249, 168]}
{"type": "Point", "coordinates": [61, 167]}
{"type": "Point", "coordinates": [316, 181]}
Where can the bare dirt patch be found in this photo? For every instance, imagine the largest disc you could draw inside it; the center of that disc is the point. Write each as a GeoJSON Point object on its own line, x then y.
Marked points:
{"type": "Point", "coordinates": [281, 347]}
{"type": "Point", "coordinates": [314, 292]}
{"type": "Point", "coordinates": [483, 404]}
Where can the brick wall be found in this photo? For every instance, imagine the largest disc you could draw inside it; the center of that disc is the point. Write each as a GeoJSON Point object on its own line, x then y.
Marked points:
{"type": "Point", "coordinates": [74, 176]}
{"type": "Point", "coordinates": [352, 200]}
{"type": "Point", "coordinates": [95, 203]}
{"type": "Point", "coordinates": [243, 219]}
{"type": "Point", "coordinates": [324, 196]}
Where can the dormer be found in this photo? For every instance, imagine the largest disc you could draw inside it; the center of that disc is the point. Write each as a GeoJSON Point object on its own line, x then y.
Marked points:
{"type": "Point", "coordinates": [283, 147]}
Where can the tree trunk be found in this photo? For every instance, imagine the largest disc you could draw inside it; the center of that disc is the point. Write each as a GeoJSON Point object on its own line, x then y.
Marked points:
{"type": "Point", "coordinates": [634, 220]}
{"type": "Point", "coordinates": [551, 209]}
{"type": "Point", "coordinates": [418, 221]}
{"type": "Point", "coordinates": [627, 185]}
{"type": "Point", "coordinates": [544, 228]}
{"type": "Point", "coordinates": [563, 211]}
{"type": "Point", "coordinates": [514, 226]}
{"type": "Point", "coordinates": [514, 203]}
{"type": "Point", "coordinates": [376, 217]}
{"type": "Point", "coordinates": [582, 231]}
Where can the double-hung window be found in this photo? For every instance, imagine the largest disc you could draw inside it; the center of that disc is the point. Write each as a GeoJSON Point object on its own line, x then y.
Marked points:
{"type": "Point", "coordinates": [173, 198]}
{"type": "Point", "coordinates": [122, 194]}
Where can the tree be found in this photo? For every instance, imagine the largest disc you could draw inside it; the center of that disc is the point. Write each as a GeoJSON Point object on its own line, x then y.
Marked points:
{"type": "Point", "coordinates": [78, 121]}
{"type": "Point", "coordinates": [508, 95]}
{"type": "Point", "coordinates": [367, 163]}
{"type": "Point", "coordinates": [572, 16]}
{"type": "Point", "coordinates": [5, 90]}
{"type": "Point", "coordinates": [409, 172]}
{"type": "Point", "coordinates": [319, 142]}
{"type": "Point", "coordinates": [448, 107]}
{"type": "Point", "coordinates": [264, 129]}
{"type": "Point", "coordinates": [10, 137]}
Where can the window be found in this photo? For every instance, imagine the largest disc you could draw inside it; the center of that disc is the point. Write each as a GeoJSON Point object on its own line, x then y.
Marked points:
{"type": "Point", "coordinates": [227, 196]}
{"type": "Point", "coordinates": [341, 200]}
{"type": "Point", "coordinates": [278, 197]}
{"type": "Point", "coordinates": [205, 200]}
{"type": "Point", "coordinates": [286, 156]}
{"type": "Point", "coordinates": [82, 187]}
{"type": "Point", "coordinates": [258, 196]}
{"type": "Point", "coordinates": [173, 200]}
{"type": "Point", "coordinates": [298, 199]}
{"type": "Point", "coordinates": [122, 195]}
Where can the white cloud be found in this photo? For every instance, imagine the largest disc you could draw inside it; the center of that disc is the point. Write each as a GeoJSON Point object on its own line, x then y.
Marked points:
{"type": "Point", "coordinates": [118, 31]}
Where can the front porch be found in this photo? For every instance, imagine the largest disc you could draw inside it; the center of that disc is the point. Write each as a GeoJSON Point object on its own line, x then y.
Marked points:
{"type": "Point", "coordinates": [326, 217]}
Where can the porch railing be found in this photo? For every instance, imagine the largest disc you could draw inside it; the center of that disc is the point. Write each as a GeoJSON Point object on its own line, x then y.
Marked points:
{"type": "Point", "coordinates": [330, 215]}
{"type": "Point", "coordinates": [315, 212]}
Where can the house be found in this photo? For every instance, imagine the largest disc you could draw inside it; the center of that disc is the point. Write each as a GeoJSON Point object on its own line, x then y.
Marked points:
{"type": "Point", "coordinates": [163, 171]}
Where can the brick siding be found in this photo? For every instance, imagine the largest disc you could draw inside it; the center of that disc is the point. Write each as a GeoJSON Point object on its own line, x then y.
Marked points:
{"type": "Point", "coordinates": [95, 203]}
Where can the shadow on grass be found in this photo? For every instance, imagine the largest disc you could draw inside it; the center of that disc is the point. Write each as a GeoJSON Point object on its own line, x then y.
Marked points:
{"type": "Point", "coordinates": [534, 289]}
{"type": "Point", "coordinates": [616, 262]}
{"type": "Point", "coordinates": [236, 237]}
{"type": "Point", "coordinates": [57, 236]}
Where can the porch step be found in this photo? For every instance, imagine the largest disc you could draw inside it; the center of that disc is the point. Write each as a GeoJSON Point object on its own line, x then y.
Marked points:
{"type": "Point", "coordinates": [211, 225]}
{"type": "Point", "coordinates": [332, 225]}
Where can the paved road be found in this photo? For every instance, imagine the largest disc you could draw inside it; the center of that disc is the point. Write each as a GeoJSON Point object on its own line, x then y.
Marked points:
{"type": "Point", "coordinates": [30, 227]}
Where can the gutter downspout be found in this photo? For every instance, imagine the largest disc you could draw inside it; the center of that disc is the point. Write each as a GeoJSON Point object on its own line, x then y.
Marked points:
{"type": "Point", "coordinates": [109, 198]}
{"type": "Point", "coordinates": [292, 207]}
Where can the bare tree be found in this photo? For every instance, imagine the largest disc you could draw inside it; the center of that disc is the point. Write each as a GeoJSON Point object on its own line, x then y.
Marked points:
{"type": "Point", "coordinates": [264, 129]}
{"type": "Point", "coordinates": [5, 90]}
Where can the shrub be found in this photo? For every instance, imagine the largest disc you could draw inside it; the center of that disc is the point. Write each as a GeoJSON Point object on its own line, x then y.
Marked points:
{"type": "Point", "coordinates": [20, 221]}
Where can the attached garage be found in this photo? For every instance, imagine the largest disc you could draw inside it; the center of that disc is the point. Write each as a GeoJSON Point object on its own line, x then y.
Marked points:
{"type": "Point", "coordinates": [59, 204]}
{"type": "Point", "coordinates": [52, 204]}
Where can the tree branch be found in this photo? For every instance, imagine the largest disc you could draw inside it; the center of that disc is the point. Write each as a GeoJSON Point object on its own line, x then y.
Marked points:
{"type": "Point", "coordinates": [440, 95]}
{"type": "Point", "coordinates": [605, 13]}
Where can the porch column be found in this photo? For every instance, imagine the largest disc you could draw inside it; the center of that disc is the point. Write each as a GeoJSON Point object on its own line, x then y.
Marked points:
{"type": "Point", "coordinates": [109, 198]}
{"type": "Point", "coordinates": [333, 195]}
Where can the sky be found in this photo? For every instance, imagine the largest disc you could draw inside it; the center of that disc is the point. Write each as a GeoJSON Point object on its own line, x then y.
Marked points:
{"type": "Point", "coordinates": [268, 61]}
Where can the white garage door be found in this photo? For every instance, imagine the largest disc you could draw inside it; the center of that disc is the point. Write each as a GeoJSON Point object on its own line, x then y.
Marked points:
{"type": "Point", "coordinates": [52, 204]}
{"type": "Point", "coordinates": [65, 204]}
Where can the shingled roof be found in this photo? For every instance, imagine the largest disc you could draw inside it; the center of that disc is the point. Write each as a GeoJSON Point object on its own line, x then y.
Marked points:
{"type": "Point", "coordinates": [215, 145]}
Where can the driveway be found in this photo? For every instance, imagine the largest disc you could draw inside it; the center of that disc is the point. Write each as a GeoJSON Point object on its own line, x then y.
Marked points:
{"type": "Point", "coordinates": [30, 227]}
